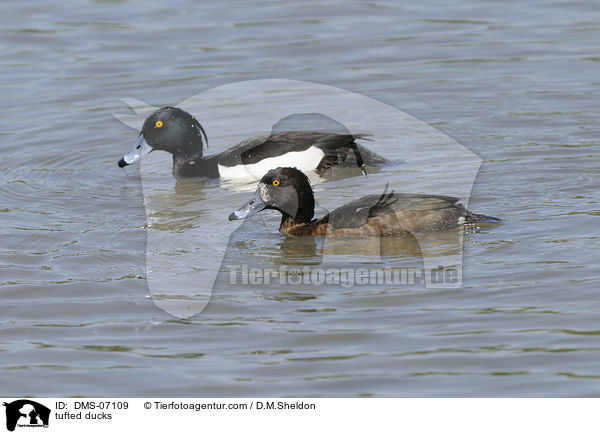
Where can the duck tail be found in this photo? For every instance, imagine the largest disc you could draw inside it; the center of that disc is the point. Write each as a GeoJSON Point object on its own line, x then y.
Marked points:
{"type": "Point", "coordinates": [480, 218]}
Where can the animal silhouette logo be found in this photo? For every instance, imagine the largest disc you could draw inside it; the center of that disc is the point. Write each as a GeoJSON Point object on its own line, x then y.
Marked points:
{"type": "Point", "coordinates": [26, 413]}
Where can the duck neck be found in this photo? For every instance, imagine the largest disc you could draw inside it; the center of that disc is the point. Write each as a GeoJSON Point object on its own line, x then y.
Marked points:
{"type": "Point", "coordinates": [187, 152]}
{"type": "Point", "coordinates": [193, 164]}
{"type": "Point", "coordinates": [290, 226]}
{"type": "Point", "coordinates": [304, 212]}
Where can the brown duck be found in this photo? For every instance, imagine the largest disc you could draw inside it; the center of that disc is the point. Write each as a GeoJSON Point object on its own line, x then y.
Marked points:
{"type": "Point", "coordinates": [288, 191]}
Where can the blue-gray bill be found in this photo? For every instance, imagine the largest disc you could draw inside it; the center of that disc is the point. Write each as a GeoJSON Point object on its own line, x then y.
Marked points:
{"type": "Point", "coordinates": [253, 206]}
{"type": "Point", "coordinates": [140, 148]}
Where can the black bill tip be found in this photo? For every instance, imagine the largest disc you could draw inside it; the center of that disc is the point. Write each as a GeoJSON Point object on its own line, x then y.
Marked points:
{"type": "Point", "coordinates": [122, 163]}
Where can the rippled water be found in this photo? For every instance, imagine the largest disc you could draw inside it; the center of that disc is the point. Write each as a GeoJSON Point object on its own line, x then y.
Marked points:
{"type": "Point", "coordinates": [517, 86]}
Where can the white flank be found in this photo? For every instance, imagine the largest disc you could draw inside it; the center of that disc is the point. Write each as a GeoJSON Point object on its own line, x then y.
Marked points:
{"type": "Point", "coordinates": [304, 160]}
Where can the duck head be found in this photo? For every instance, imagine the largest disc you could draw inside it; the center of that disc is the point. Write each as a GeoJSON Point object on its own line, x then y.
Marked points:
{"type": "Point", "coordinates": [284, 189]}
{"type": "Point", "coordinates": [168, 129]}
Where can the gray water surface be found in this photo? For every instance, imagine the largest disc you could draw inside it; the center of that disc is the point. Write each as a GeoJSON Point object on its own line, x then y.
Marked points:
{"type": "Point", "coordinates": [518, 86]}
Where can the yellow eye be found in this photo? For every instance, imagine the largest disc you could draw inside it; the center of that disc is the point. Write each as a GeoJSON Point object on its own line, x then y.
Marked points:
{"type": "Point", "coordinates": [158, 124]}
{"type": "Point", "coordinates": [276, 182]}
